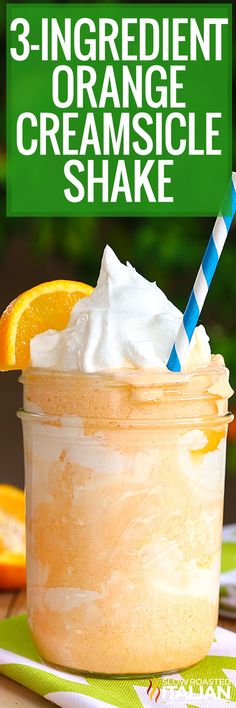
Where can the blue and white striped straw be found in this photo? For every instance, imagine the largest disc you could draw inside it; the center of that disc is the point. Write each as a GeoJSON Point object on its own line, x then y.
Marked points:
{"type": "Point", "coordinates": [201, 286]}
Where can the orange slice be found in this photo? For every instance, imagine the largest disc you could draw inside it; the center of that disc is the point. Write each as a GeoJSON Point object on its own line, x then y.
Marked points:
{"type": "Point", "coordinates": [12, 501]}
{"type": "Point", "coordinates": [46, 306]}
{"type": "Point", "coordinates": [12, 538]}
{"type": "Point", "coordinates": [12, 571]}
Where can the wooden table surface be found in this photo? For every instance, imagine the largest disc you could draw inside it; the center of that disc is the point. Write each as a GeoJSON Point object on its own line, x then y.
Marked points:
{"type": "Point", "coordinates": [11, 693]}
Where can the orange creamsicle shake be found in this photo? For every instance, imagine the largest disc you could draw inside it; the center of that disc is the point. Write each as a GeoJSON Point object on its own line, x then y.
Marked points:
{"type": "Point", "coordinates": [125, 469]}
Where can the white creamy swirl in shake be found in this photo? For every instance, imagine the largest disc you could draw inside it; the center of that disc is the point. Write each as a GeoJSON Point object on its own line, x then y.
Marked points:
{"type": "Point", "coordinates": [126, 322]}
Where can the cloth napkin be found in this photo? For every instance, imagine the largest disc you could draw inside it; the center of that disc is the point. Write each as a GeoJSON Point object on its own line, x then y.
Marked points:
{"type": "Point", "coordinates": [228, 572]}
{"type": "Point", "coordinates": [209, 684]}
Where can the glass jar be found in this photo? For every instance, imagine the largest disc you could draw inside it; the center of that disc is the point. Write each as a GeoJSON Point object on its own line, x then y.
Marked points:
{"type": "Point", "coordinates": [124, 484]}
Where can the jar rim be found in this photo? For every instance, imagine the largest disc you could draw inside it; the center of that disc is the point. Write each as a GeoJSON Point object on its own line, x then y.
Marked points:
{"type": "Point", "coordinates": [210, 381]}
{"type": "Point", "coordinates": [121, 376]}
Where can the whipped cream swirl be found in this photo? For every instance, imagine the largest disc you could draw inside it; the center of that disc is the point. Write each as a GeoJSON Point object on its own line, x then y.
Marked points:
{"type": "Point", "coordinates": [126, 322]}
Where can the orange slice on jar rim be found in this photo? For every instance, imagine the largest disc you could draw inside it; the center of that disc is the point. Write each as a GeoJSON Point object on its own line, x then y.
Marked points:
{"type": "Point", "coordinates": [46, 306]}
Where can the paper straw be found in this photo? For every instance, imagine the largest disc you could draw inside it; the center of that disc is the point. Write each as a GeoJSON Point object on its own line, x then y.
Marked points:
{"type": "Point", "coordinates": [201, 286]}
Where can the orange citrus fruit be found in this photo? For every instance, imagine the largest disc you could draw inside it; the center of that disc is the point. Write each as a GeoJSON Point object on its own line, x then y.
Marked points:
{"type": "Point", "coordinates": [46, 306]}
{"type": "Point", "coordinates": [12, 501]}
{"type": "Point", "coordinates": [12, 538]}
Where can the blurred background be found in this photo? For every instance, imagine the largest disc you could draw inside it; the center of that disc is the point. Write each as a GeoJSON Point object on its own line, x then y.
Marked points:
{"type": "Point", "coordinates": [166, 250]}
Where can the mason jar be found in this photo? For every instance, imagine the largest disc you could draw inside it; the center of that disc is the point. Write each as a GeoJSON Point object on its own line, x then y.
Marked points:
{"type": "Point", "coordinates": [124, 485]}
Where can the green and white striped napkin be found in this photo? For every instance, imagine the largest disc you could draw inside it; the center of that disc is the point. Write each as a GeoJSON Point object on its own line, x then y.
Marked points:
{"type": "Point", "coordinates": [228, 572]}
{"type": "Point", "coordinates": [209, 684]}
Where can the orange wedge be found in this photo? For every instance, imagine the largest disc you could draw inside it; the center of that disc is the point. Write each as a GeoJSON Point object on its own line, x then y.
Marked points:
{"type": "Point", "coordinates": [46, 306]}
{"type": "Point", "coordinates": [12, 571]}
{"type": "Point", "coordinates": [12, 501]}
{"type": "Point", "coordinates": [12, 538]}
